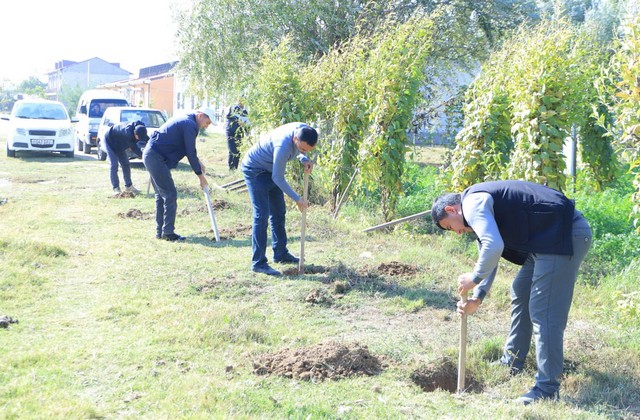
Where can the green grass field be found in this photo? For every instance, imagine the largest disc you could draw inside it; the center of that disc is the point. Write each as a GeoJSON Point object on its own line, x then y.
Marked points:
{"type": "Point", "coordinates": [114, 323]}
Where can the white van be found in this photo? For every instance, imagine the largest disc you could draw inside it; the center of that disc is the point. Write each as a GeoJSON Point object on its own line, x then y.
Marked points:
{"type": "Point", "coordinates": [91, 107]}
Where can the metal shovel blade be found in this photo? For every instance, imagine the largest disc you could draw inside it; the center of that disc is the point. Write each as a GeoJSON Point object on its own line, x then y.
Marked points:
{"type": "Point", "coordinates": [211, 215]}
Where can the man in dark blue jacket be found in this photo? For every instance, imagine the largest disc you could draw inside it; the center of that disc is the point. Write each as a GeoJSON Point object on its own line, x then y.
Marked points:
{"type": "Point", "coordinates": [174, 140]}
{"type": "Point", "coordinates": [118, 139]}
{"type": "Point", "coordinates": [538, 228]}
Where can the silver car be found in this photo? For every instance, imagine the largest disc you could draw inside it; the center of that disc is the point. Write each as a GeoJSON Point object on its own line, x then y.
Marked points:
{"type": "Point", "coordinates": [152, 119]}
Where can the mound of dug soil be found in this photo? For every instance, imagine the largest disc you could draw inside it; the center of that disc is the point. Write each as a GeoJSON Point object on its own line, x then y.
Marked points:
{"type": "Point", "coordinates": [135, 214]}
{"type": "Point", "coordinates": [443, 375]}
{"type": "Point", "coordinates": [395, 268]}
{"type": "Point", "coordinates": [124, 194]}
{"type": "Point", "coordinates": [322, 361]}
{"type": "Point", "coordinates": [308, 269]}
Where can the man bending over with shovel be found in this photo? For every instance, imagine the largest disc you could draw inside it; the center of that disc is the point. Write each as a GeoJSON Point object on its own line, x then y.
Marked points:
{"type": "Point", "coordinates": [263, 168]}
{"type": "Point", "coordinates": [174, 140]}
{"type": "Point", "coordinates": [538, 228]}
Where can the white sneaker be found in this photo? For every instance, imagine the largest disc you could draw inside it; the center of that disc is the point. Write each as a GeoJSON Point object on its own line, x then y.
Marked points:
{"type": "Point", "coordinates": [132, 190]}
{"type": "Point", "coordinates": [116, 190]}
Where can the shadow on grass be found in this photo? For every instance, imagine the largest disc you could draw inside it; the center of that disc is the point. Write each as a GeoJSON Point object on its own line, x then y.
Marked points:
{"type": "Point", "coordinates": [598, 388]}
{"type": "Point", "coordinates": [369, 281]}
{"type": "Point", "coordinates": [210, 242]}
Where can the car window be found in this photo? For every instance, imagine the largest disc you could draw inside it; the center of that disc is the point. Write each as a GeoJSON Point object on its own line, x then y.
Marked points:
{"type": "Point", "coordinates": [152, 119]}
{"type": "Point", "coordinates": [99, 106]}
{"type": "Point", "coordinates": [43, 111]}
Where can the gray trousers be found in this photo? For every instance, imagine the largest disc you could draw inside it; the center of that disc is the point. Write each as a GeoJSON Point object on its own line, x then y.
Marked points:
{"type": "Point", "coordinates": [165, 189]}
{"type": "Point", "coordinates": [541, 297]}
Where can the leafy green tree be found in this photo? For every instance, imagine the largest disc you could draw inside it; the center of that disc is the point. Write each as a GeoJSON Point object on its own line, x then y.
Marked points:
{"type": "Point", "coordinates": [220, 40]}
{"type": "Point", "coordinates": [69, 96]}
{"type": "Point", "coordinates": [33, 87]}
{"type": "Point", "coordinates": [624, 77]}
{"type": "Point", "coordinates": [539, 85]}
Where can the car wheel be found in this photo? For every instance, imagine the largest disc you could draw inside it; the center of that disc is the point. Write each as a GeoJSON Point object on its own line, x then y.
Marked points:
{"type": "Point", "coordinates": [10, 153]}
{"type": "Point", "coordinates": [101, 154]}
{"type": "Point", "coordinates": [87, 149]}
{"type": "Point", "coordinates": [80, 145]}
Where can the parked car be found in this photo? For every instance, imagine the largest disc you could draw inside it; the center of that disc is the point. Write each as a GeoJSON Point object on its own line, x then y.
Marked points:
{"type": "Point", "coordinates": [152, 119]}
{"type": "Point", "coordinates": [39, 125]}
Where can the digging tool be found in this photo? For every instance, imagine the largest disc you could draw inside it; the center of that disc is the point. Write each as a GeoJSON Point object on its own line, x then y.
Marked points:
{"type": "Point", "coordinates": [303, 225]}
{"type": "Point", "coordinates": [395, 222]}
{"type": "Point", "coordinates": [344, 194]}
{"type": "Point", "coordinates": [237, 181]}
{"type": "Point", "coordinates": [462, 354]}
{"type": "Point", "coordinates": [237, 187]}
{"type": "Point", "coordinates": [211, 215]}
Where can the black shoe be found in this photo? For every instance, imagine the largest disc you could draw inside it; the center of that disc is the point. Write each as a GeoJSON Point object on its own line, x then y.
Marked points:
{"type": "Point", "coordinates": [536, 394]}
{"type": "Point", "coordinates": [288, 259]}
{"type": "Point", "coordinates": [265, 269]}
{"type": "Point", "coordinates": [173, 237]}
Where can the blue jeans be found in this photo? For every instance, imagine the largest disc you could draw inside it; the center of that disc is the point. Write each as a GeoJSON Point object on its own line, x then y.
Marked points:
{"type": "Point", "coordinates": [541, 297]}
{"type": "Point", "coordinates": [165, 189]}
{"type": "Point", "coordinates": [268, 208]}
{"type": "Point", "coordinates": [121, 157]}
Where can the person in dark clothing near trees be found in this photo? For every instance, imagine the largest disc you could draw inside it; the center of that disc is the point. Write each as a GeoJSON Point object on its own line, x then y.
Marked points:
{"type": "Point", "coordinates": [118, 139]}
{"type": "Point", "coordinates": [235, 128]}
{"type": "Point", "coordinates": [174, 140]}
{"type": "Point", "coordinates": [538, 228]}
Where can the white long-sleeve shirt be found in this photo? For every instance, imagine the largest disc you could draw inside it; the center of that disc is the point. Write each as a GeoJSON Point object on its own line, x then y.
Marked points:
{"type": "Point", "coordinates": [477, 209]}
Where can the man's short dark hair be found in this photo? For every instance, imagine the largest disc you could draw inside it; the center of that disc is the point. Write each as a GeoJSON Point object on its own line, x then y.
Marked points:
{"type": "Point", "coordinates": [437, 210]}
{"type": "Point", "coordinates": [308, 135]}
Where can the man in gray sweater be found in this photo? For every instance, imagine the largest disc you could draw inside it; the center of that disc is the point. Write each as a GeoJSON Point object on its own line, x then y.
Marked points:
{"type": "Point", "coordinates": [263, 168]}
{"type": "Point", "coordinates": [538, 228]}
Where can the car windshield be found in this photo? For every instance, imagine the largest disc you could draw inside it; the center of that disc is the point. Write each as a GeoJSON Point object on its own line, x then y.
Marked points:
{"type": "Point", "coordinates": [152, 119]}
{"type": "Point", "coordinates": [97, 108]}
{"type": "Point", "coordinates": [40, 111]}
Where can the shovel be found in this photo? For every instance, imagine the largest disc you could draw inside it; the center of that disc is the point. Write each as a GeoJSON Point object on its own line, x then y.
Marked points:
{"type": "Point", "coordinates": [211, 215]}
{"type": "Point", "coordinates": [462, 354]}
{"type": "Point", "coordinates": [303, 226]}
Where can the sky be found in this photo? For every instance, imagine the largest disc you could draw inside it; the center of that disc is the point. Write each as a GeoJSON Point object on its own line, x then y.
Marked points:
{"type": "Point", "coordinates": [35, 34]}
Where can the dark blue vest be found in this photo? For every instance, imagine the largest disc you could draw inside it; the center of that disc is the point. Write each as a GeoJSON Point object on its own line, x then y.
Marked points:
{"type": "Point", "coordinates": [530, 218]}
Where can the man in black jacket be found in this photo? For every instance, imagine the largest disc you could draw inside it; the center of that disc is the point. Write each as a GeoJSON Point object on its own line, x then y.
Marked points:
{"type": "Point", "coordinates": [538, 228]}
{"type": "Point", "coordinates": [117, 140]}
{"type": "Point", "coordinates": [235, 127]}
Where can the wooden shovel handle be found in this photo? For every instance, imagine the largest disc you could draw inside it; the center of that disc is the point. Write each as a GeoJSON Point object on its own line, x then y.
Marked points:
{"type": "Point", "coordinates": [462, 354]}
{"type": "Point", "coordinates": [303, 225]}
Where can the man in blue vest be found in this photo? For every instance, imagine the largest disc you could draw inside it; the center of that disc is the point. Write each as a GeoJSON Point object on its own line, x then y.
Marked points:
{"type": "Point", "coordinates": [538, 228]}
{"type": "Point", "coordinates": [263, 168]}
{"type": "Point", "coordinates": [174, 140]}
{"type": "Point", "coordinates": [118, 139]}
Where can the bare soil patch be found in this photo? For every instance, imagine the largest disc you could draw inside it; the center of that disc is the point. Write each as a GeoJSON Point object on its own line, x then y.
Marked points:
{"type": "Point", "coordinates": [319, 297]}
{"type": "Point", "coordinates": [395, 268]}
{"type": "Point", "coordinates": [237, 231]}
{"type": "Point", "coordinates": [308, 269]}
{"type": "Point", "coordinates": [443, 374]}
{"type": "Point", "coordinates": [123, 194]}
{"type": "Point", "coordinates": [322, 361]}
{"type": "Point", "coordinates": [136, 214]}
